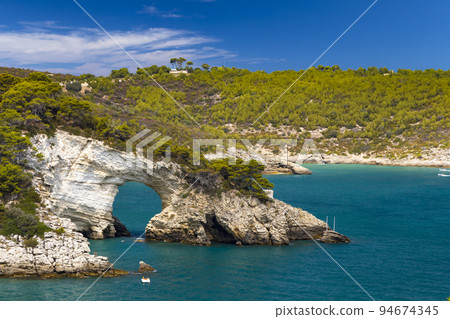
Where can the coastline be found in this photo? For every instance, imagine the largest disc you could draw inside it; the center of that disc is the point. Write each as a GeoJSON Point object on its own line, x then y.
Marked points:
{"type": "Point", "coordinates": [292, 164]}
{"type": "Point", "coordinates": [67, 254]}
{"type": "Point", "coordinates": [184, 260]}
{"type": "Point", "coordinates": [353, 161]}
{"type": "Point", "coordinates": [109, 274]}
{"type": "Point", "coordinates": [440, 162]}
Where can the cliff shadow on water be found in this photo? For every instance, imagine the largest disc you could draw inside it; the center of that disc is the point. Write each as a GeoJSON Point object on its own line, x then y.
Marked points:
{"type": "Point", "coordinates": [134, 205]}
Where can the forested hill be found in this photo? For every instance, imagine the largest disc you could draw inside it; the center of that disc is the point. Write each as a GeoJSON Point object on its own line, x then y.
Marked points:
{"type": "Point", "coordinates": [364, 110]}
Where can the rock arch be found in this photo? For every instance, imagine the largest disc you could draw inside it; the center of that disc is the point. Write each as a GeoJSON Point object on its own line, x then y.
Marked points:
{"type": "Point", "coordinates": [79, 178]}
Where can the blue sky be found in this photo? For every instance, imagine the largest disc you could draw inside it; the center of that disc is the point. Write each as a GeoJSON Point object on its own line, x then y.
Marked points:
{"type": "Point", "coordinates": [56, 35]}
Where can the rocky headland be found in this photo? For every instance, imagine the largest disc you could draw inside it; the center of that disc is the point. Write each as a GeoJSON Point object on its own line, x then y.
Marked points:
{"type": "Point", "coordinates": [63, 253]}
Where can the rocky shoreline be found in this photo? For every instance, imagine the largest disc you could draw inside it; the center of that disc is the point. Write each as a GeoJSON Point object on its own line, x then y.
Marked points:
{"type": "Point", "coordinates": [58, 254]}
{"type": "Point", "coordinates": [440, 161]}
{"type": "Point", "coordinates": [283, 164]}
{"type": "Point", "coordinates": [234, 219]}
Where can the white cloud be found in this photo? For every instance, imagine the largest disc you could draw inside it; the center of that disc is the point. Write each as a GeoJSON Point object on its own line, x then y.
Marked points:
{"type": "Point", "coordinates": [88, 50]}
{"type": "Point", "coordinates": [150, 9]}
{"type": "Point", "coordinates": [171, 15]}
{"type": "Point", "coordinates": [42, 25]}
{"type": "Point", "coordinates": [153, 10]}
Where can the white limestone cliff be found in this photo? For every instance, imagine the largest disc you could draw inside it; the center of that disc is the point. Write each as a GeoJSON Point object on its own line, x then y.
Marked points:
{"type": "Point", "coordinates": [56, 254]}
{"type": "Point", "coordinates": [78, 178]}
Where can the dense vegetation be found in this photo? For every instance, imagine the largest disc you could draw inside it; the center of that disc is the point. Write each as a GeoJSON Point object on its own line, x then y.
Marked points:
{"type": "Point", "coordinates": [370, 110]}
{"type": "Point", "coordinates": [21, 218]}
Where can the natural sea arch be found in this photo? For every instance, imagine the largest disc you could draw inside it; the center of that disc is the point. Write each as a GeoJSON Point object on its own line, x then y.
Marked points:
{"type": "Point", "coordinates": [134, 205]}
{"type": "Point", "coordinates": [79, 178]}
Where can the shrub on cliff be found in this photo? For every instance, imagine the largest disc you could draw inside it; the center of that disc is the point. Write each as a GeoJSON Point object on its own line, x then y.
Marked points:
{"type": "Point", "coordinates": [21, 218]}
{"type": "Point", "coordinates": [15, 221]}
{"type": "Point", "coordinates": [30, 243]}
{"type": "Point", "coordinates": [245, 177]}
{"type": "Point", "coordinates": [60, 231]}
{"type": "Point", "coordinates": [12, 179]}
{"type": "Point", "coordinates": [29, 201]}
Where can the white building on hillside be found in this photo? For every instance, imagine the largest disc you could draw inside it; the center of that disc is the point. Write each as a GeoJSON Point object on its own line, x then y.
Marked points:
{"type": "Point", "coordinates": [176, 72]}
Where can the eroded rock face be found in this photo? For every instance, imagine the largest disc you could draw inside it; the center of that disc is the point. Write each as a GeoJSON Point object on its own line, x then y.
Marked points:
{"type": "Point", "coordinates": [203, 219]}
{"type": "Point", "coordinates": [64, 254]}
{"type": "Point", "coordinates": [78, 179]}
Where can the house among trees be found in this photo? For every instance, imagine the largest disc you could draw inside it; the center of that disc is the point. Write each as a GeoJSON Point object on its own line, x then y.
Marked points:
{"type": "Point", "coordinates": [176, 72]}
{"type": "Point", "coordinates": [178, 66]}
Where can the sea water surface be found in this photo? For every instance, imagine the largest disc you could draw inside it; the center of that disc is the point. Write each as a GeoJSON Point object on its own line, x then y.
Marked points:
{"type": "Point", "coordinates": [397, 218]}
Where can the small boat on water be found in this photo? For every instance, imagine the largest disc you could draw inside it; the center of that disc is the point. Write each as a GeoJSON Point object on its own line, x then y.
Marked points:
{"type": "Point", "coordinates": [444, 170]}
{"type": "Point", "coordinates": [145, 279]}
{"type": "Point", "coordinates": [443, 175]}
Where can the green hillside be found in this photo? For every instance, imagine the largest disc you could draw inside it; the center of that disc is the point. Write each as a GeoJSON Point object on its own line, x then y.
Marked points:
{"type": "Point", "coordinates": [365, 110]}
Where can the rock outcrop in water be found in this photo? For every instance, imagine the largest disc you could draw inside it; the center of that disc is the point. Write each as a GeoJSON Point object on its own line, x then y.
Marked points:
{"type": "Point", "coordinates": [143, 267]}
{"type": "Point", "coordinates": [233, 218]}
{"type": "Point", "coordinates": [79, 178]}
{"type": "Point", "coordinates": [63, 254]}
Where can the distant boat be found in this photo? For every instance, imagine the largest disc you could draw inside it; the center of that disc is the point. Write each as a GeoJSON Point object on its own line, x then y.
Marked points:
{"type": "Point", "coordinates": [444, 170]}
{"type": "Point", "coordinates": [145, 279]}
{"type": "Point", "coordinates": [443, 175]}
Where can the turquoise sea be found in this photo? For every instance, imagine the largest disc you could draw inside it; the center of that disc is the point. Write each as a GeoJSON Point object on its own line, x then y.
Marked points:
{"type": "Point", "coordinates": [397, 218]}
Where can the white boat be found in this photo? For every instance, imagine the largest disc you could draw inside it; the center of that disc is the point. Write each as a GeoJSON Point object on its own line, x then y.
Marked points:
{"type": "Point", "coordinates": [444, 170]}
{"type": "Point", "coordinates": [145, 279]}
{"type": "Point", "coordinates": [443, 175]}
